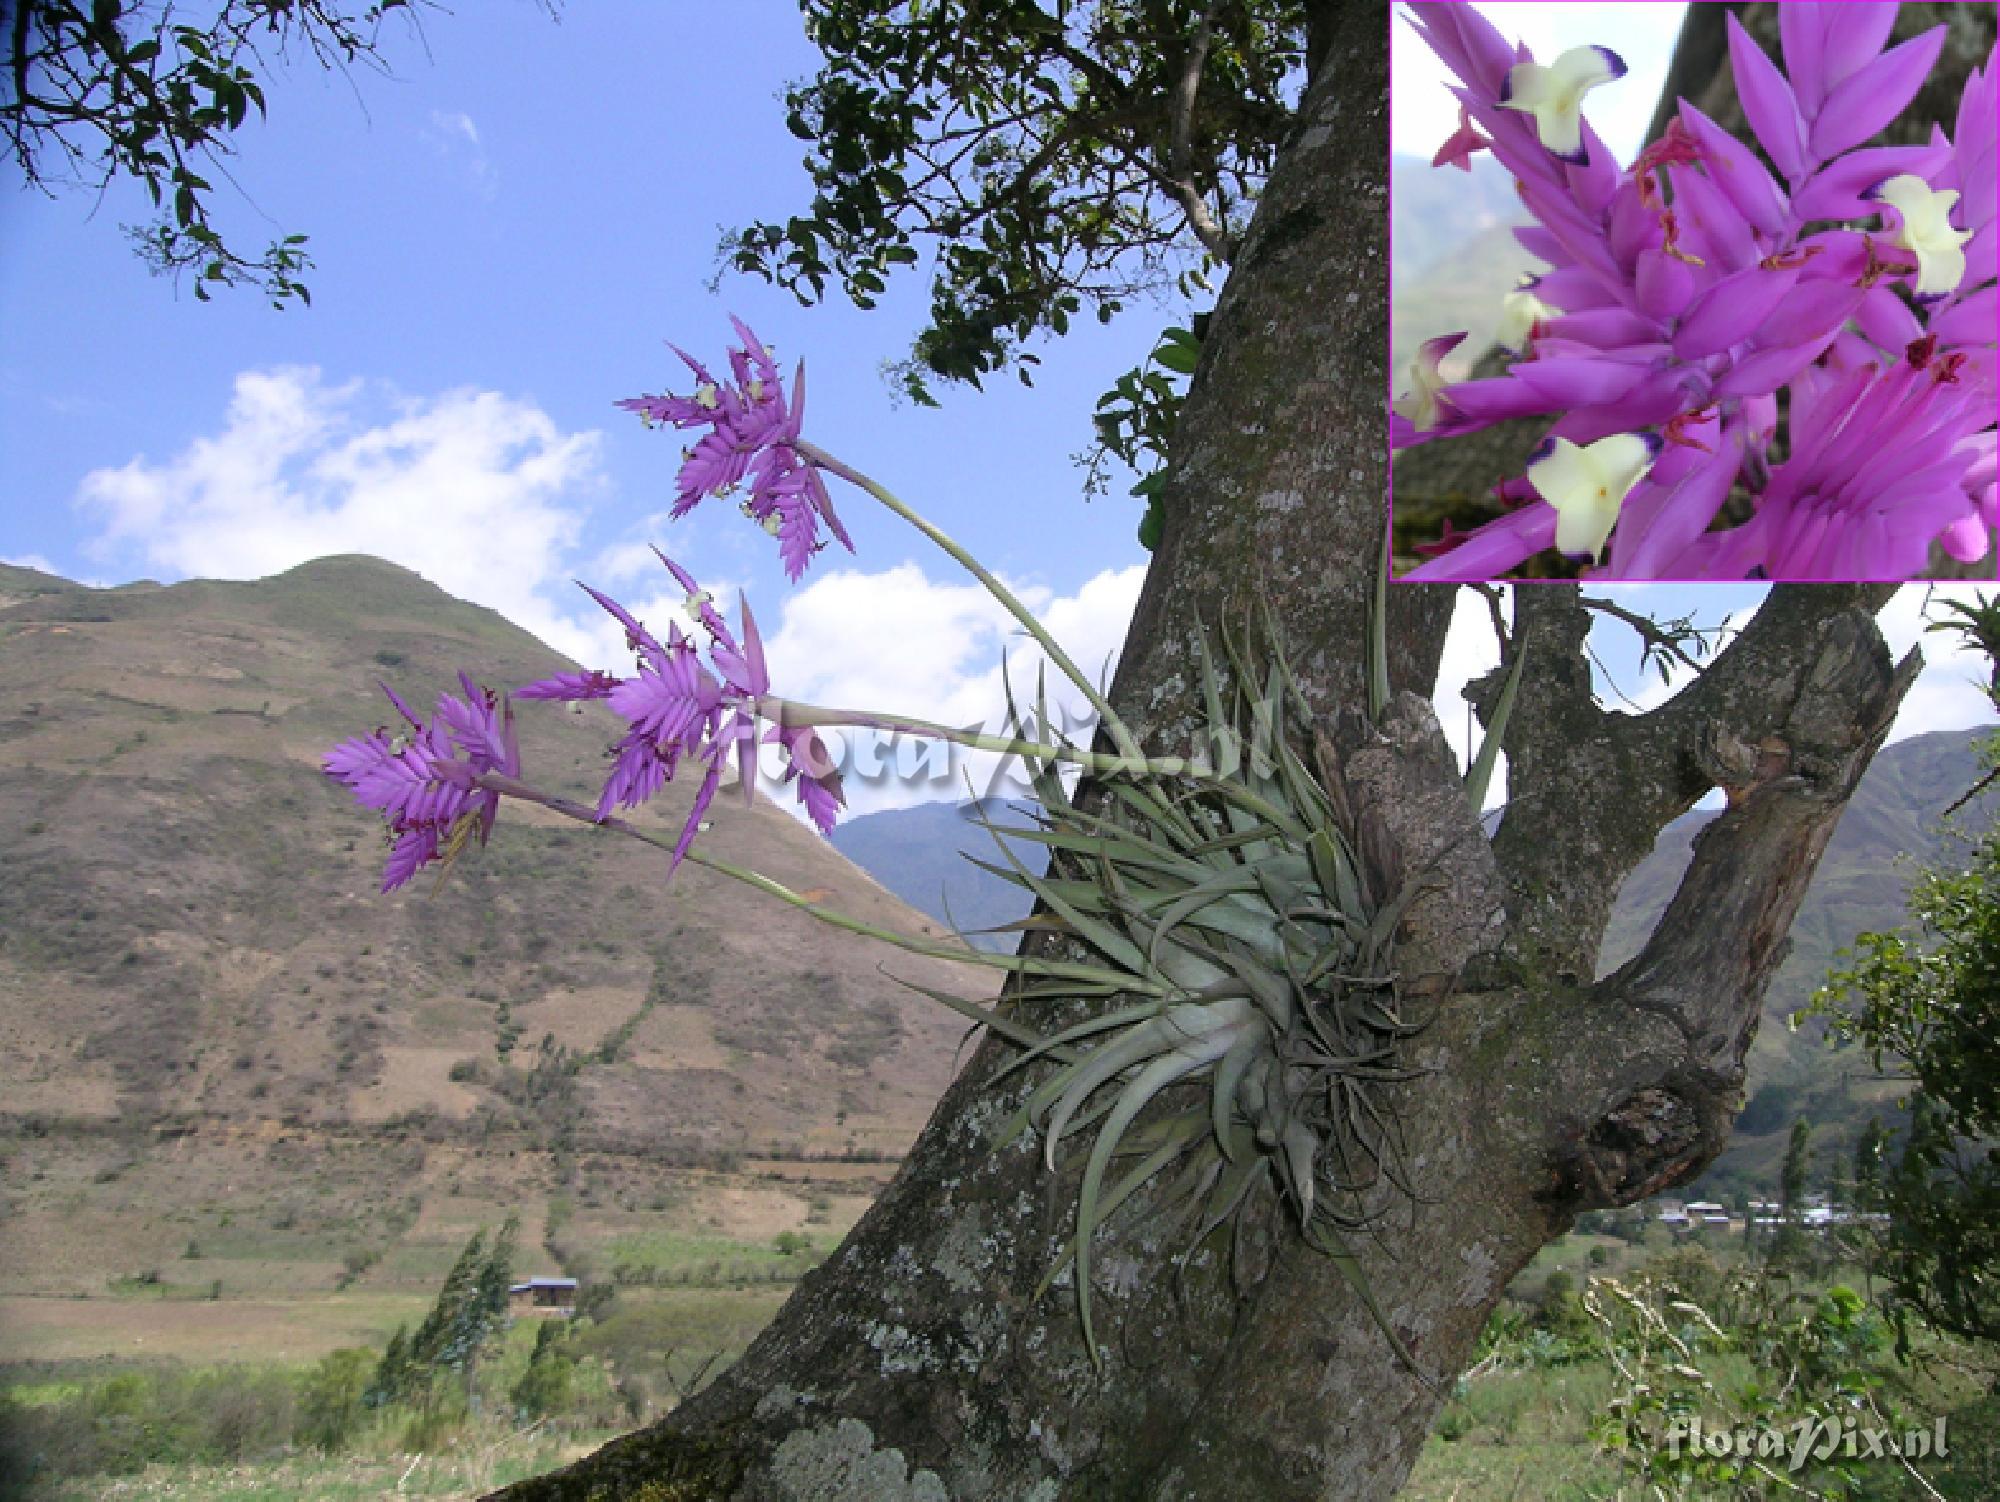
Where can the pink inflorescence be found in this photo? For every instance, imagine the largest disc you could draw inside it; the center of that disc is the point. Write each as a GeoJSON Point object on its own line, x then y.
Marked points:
{"type": "Point", "coordinates": [1698, 300]}
{"type": "Point", "coordinates": [676, 706]}
{"type": "Point", "coordinates": [423, 779]}
{"type": "Point", "coordinates": [750, 443]}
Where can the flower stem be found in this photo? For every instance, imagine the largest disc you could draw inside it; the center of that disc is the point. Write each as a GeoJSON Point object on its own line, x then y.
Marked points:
{"type": "Point", "coordinates": [961, 953]}
{"type": "Point", "coordinates": [791, 712]}
{"type": "Point", "coordinates": [1120, 735]}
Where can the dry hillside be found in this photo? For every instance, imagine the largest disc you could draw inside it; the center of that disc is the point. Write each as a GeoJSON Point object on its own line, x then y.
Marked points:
{"type": "Point", "coordinates": [224, 1054]}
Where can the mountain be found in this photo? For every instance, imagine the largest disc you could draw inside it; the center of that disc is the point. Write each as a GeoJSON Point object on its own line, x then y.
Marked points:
{"type": "Point", "coordinates": [1888, 830]}
{"type": "Point", "coordinates": [209, 1016]}
{"type": "Point", "coordinates": [1437, 210]}
{"type": "Point", "coordinates": [229, 1066]}
{"type": "Point", "coordinates": [920, 854]}
{"type": "Point", "coordinates": [1453, 258]}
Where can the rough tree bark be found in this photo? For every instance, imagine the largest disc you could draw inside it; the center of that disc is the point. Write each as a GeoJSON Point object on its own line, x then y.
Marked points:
{"type": "Point", "coordinates": [914, 1363]}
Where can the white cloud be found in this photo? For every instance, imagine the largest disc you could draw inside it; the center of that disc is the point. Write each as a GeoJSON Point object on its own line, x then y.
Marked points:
{"type": "Point", "coordinates": [1950, 693]}
{"type": "Point", "coordinates": [900, 642]}
{"type": "Point", "coordinates": [456, 123]}
{"type": "Point", "coordinates": [32, 560]}
{"type": "Point", "coordinates": [480, 493]}
{"type": "Point", "coordinates": [454, 136]}
{"type": "Point", "coordinates": [1470, 650]}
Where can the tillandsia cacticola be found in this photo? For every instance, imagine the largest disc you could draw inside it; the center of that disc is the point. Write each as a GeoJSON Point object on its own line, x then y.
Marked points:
{"type": "Point", "coordinates": [1225, 918]}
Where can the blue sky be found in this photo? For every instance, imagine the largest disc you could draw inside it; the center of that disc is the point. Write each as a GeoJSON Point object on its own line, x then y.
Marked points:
{"type": "Point", "coordinates": [507, 229]}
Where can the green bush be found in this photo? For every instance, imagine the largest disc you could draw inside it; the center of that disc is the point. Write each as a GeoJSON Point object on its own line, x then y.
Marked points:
{"type": "Point", "coordinates": [545, 1387]}
{"type": "Point", "coordinates": [123, 1423]}
{"type": "Point", "coordinates": [331, 1410]}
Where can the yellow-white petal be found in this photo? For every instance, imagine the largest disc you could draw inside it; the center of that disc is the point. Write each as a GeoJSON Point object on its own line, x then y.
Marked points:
{"type": "Point", "coordinates": [1926, 231]}
{"type": "Point", "coordinates": [1420, 403]}
{"type": "Point", "coordinates": [1554, 95]}
{"type": "Point", "coordinates": [1520, 311]}
{"type": "Point", "coordinates": [1587, 486]}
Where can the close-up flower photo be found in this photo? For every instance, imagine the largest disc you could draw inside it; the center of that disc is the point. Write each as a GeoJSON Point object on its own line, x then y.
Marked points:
{"type": "Point", "coordinates": [1751, 338]}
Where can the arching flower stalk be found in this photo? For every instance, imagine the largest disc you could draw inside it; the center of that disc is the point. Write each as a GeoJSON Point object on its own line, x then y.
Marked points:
{"type": "Point", "coordinates": [1223, 927]}
{"type": "Point", "coordinates": [1699, 304]}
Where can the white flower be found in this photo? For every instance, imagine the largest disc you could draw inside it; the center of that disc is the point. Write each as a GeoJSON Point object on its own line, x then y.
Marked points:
{"type": "Point", "coordinates": [1926, 231]}
{"type": "Point", "coordinates": [1520, 311]}
{"type": "Point", "coordinates": [1420, 403]}
{"type": "Point", "coordinates": [696, 601]}
{"type": "Point", "coordinates": [1588, 485]}
{"type": "Point", "coordinates": [1554, 95]}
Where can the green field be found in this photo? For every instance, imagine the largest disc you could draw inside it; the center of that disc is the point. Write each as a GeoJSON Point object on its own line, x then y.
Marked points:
{"type": "Point", "coordinates": [671, 1258]}
{"type": "Point", "coordinates": [204, 1399]}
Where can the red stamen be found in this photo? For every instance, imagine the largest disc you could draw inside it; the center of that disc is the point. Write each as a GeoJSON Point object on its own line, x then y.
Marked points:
{"type": "Point", "coordinates": [1787, 260]}
{"type": "Point", "coordinates": [1444, 544]}
{"type": "Point", "coordinates": [1676, 428]}
{"type": "Point", "coordinates": [1877, 266]}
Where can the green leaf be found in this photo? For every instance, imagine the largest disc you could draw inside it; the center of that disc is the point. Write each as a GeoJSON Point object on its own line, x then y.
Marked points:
{"type": "Point", "coordinates": [1150, 526]}
{"type": "Point", "coordinates": [1480, 776]}
{"type": "Point", "coordinates": [1150, 1080]}
{"type": "Point", "coordinates": [1378, 635]}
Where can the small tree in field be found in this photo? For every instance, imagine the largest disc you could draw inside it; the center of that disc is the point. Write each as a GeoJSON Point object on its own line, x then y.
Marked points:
{"type": "Point", "coordinates": [1925, 1004]}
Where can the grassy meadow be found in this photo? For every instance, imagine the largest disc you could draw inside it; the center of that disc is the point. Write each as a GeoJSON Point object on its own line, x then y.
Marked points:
{"type": "Point", "coordinates": [144, 1391]}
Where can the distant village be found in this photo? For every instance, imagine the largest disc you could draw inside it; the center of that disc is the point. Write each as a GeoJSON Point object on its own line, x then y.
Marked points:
{"type": "Point", "coordinates": [1816, 1214]}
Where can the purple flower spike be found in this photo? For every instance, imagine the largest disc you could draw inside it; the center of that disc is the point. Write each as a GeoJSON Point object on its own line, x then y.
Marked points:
{"type": "Point", "coordinates": [424, 783]}
{"type": "Point", "coordinates": [751, 444]}
{"type": "Point", "coordinates": [1859, 108]}
{"type": "Point", "coordinates": [636, 635]}
{"type": "Point", "coordinates": [674, 707]}
{"type": "Point", "coordinates": [807, 763]}
{"type": "Point", "coordinates": [1814, 349]}
{"type": "Point", "coordinates": [568, 687]}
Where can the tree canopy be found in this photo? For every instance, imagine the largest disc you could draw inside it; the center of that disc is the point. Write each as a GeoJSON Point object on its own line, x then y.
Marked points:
{"type": "Point", "coordinates": [96, 90]}
{"type": "Point", "coordinates": [1925, 1004]}
{"type": "Point", "coordinates": [1052, 160]}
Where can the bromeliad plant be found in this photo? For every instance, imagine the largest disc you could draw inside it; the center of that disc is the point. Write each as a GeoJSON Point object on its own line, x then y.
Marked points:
{"type": "Point", "coordinates": [1221, 926]}
{"type": "Point", "coordinates": [1820, 348]}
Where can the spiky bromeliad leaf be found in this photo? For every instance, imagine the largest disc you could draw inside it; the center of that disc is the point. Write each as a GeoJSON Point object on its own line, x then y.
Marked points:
{"type": "Point", "coordinates": [1236, 939]}
{"type": "Point", "coordinates": [1378, 632]}
{"type": "Point", "coordinates": [1481, 773]}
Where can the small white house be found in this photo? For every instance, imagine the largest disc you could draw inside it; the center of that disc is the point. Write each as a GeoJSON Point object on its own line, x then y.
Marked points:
{"type": "Point", "coordinates": [543, 1296]}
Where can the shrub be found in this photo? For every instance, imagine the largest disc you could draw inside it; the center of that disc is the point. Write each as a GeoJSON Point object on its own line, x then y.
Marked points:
{"type": "Point", "coordinates": [330, 1399]}
{"type": "Point", "coordinates": [544, 1387]}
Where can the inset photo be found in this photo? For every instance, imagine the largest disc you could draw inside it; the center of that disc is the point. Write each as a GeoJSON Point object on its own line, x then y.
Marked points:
{"type": "Point", "coordinates": [1682, 293]}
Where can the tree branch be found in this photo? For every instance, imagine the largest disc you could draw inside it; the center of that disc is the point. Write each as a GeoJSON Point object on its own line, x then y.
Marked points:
{"type": "Point", "coordinates": [1706, 967]}
{"type": "Point", "coordinates": [1180, 165]}
{"type": "Point", "coordinates": [1589, 790]}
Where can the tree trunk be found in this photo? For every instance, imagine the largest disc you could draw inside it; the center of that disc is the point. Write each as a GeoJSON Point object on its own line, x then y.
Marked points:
{"type": "Point", "coordinates": [916, 1363]}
